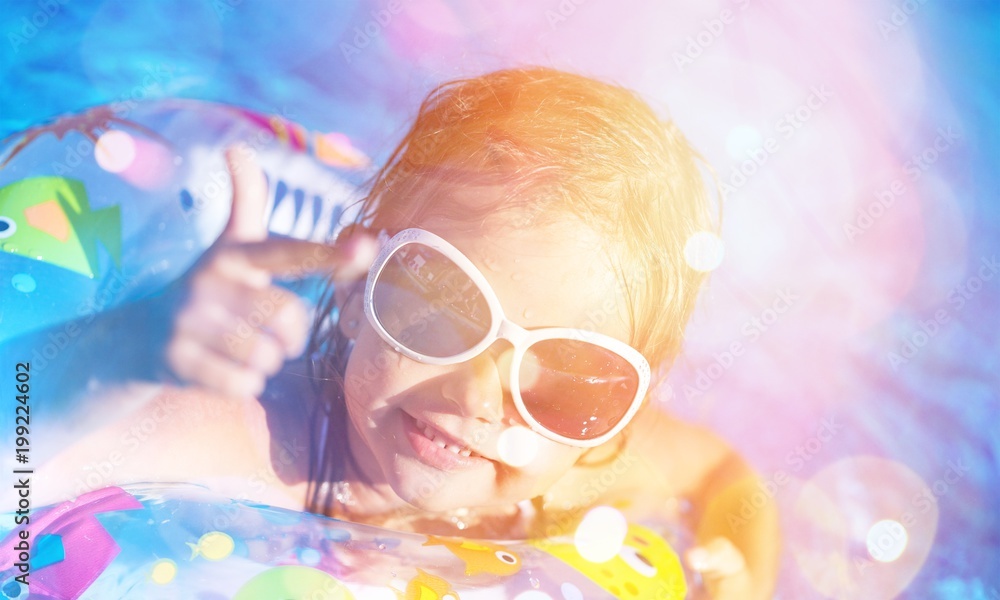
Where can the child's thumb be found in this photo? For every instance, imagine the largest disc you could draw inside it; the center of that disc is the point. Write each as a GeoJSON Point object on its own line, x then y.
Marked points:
{"type": "Point", "coordinates": [719, 558]}
{"type": "Point", "coordinates": [698, 559]}
{"type": "Point", "coordinates": [246, 218]}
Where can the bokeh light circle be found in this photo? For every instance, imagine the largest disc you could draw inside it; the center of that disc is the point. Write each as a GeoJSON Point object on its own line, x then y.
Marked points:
{"type": "Point", "coordinates": [601, 534]}
{"type": "Point", "coordinates": [863, 528]}
{"type": "Point", "coordinates": [704, 251]}
{"type": "Point", "coordinates": [115, 151]}
{"type": "Point", "coordinates": [887, 540]}
{"type": "Point", "coordinates": [741, 140]}
{"type": "Point", "coordinates": [517, 446]}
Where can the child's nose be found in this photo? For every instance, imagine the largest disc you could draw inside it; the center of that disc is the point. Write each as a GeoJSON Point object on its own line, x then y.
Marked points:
{"type": "Point", "coordinates": [478, 386]}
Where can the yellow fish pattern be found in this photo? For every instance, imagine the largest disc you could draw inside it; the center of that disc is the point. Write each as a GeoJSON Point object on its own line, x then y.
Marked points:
{"type": "Point", "coordinates": [428, 587]}
{"type": "Point", "coordinates": [646, 566]}
{"type": "Point", "coordinates": [214, 545]}
{"type": "Point", "coordinates": [479, 556]}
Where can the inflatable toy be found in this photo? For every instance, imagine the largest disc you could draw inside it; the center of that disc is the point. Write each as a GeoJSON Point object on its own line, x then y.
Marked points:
{"type": "Point", "coordinates": [110, 205]}
{"type": "Point", "coordinates": [180, 541]}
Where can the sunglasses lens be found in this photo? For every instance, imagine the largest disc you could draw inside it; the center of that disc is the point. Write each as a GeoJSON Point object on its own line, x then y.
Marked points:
{"type": "Point", "coordinates": [428, 304]}
{"type": "Point", "coordinates": [576, 389]}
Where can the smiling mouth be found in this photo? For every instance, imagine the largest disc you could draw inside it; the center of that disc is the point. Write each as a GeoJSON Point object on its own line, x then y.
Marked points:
{"type": "Point", "coordinates": [441, 441]}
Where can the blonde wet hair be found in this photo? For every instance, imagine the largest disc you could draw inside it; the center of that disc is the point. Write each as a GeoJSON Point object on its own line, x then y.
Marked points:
{"type": "Point", "coordinates": [559, 143]}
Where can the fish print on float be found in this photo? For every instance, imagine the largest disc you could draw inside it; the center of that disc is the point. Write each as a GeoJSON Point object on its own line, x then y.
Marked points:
{"type": "Point", "coordinates": [110, 205]}
{"type": "Point", "coordinates": [50, 219]}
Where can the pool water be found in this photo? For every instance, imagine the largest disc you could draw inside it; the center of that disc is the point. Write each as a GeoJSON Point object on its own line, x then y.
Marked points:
{"type": "Point", "coordinates": [849, 342]}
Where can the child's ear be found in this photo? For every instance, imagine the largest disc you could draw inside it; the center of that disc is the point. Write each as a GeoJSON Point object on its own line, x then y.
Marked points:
{"type": "Point", "coordinates": [349, 296]}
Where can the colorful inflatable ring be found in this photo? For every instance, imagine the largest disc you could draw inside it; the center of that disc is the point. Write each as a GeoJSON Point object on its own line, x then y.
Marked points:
{"type": "Point", "coordinates": [180, 541]}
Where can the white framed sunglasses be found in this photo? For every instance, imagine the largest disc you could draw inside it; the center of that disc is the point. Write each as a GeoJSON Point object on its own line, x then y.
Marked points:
{"type": "Point", "coordinates": [430, 303]}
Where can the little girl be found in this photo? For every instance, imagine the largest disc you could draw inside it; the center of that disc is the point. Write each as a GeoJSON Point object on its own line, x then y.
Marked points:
{"type": "Point", "coordinates": [487, 372]}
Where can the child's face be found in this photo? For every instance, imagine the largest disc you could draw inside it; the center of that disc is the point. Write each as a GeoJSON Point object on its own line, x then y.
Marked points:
{"type": "Point", "coordinates": [555, 275]}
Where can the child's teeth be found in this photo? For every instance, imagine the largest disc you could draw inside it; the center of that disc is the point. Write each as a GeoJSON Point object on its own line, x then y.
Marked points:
{"type": "Point", "coordinates": [440, 442]}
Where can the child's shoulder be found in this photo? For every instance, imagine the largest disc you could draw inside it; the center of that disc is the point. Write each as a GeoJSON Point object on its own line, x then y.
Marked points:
{"type": "Point", "coordinates": [683, 453]}
{"type": "Point", "coordinates": [662, 462]}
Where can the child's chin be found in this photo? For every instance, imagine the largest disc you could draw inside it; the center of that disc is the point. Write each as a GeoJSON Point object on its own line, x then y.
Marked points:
{"type": "Point", "coordinates": [437, 502]}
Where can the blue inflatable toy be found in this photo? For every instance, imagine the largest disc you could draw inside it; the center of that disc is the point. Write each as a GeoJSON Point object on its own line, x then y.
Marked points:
{"type": "Point", "coordinates": [108, 206]}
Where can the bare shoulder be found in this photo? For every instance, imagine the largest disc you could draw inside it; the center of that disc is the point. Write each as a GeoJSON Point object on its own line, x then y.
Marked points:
{"type": "Point", "coordinates": [680, 454]}
{"type": "Point", "coordinates": [663, 462]}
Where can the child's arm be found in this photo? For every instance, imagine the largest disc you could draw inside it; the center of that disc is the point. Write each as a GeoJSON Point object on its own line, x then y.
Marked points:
{"type": "Point", "coordinates": [737, 552]}
{"type": "Point", "coordinates": [224, 327]}
{"type": "Point", "coordinates": [738, 533]}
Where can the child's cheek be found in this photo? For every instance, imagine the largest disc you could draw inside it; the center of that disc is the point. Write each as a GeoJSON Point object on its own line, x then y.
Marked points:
{"type": "Point", "coordinates": [552, 460]}
{"type": "Point", "coordinates": [372, 366]}
{"type": "Point", "coordinates": [376, 371]}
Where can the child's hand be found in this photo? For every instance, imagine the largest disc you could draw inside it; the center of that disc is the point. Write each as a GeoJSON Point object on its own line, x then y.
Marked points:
{"type": "Point", "coordinates": [234, 328]}
{"type": "Point", "coordinates": [723, 568]}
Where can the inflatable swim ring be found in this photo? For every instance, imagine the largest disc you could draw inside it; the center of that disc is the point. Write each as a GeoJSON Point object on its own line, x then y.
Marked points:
{"type": "Point", "coordinates": [181, 541]}
{"type": "Point", "coordinates": [106, 207]}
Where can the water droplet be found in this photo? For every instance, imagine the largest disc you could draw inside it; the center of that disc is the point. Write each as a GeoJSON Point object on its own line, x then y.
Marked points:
{"type": "Point", "coordinates": [491, 263]}
{"type": "Point", "coordinates": [528, 313]}
{"type": "Point", "coordinates": [382, 546]}
{"type": "Point", "coordinates": [535, 583]}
